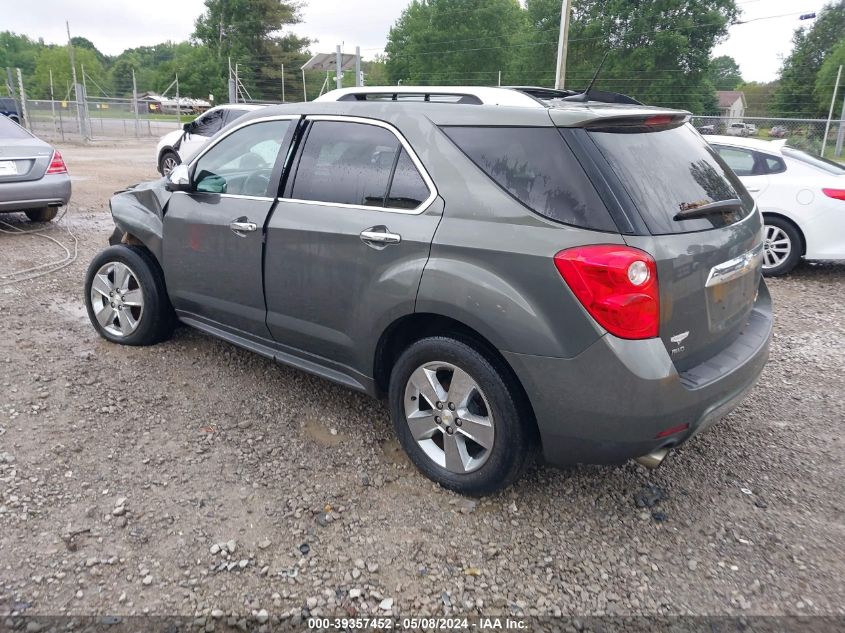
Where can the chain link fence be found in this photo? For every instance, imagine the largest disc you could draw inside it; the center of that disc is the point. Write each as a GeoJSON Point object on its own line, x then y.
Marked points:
{"type": "Point", "coordinates": [804, 134]}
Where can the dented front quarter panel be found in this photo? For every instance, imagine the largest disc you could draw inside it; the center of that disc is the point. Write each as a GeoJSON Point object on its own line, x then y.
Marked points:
{"type": "Point", "coordinates": [139, 211]}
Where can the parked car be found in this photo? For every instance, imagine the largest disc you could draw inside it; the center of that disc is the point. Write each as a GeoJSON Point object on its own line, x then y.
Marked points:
{"type": "Point", "coordinates": [179, 146]}
{"type": "Point", "coordinates": [9, 108]}
{"type": "Point", "coordinates": [33, 176]}
{"type": "Point", "coordinates": [750, 129]}
{"type": "Point", "coordinates": [582, 277]}
{"type": "Point", "coordinates": [737, 129]}
{"type": "Point", "coordinates": [802, 198]}
{"type": "Point", "coordinates": [706, 129]}
{"type": "Point", "coordinates": [778, 131]}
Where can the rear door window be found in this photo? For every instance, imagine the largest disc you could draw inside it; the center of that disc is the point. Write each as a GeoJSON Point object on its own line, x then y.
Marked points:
{"type": "Point", "coordinates": [537, 168]}
{"type": "Point", "coordinates": [740, 160]}
{"type": "Point", "coordinates": [669, 170]}
{"type": "Point", "coordinates": [352, 163]}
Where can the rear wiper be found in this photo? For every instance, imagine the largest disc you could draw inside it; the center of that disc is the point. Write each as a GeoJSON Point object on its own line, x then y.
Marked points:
{"type": "Point", "coordinates": [707, 209]}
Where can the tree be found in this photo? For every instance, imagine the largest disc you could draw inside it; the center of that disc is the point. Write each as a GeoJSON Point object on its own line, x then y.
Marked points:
{"type": "Point", "coordinates": [57, 60]}
{"type": "Point", "coordinates": [453, 41]}
{"type": "Point", "coordinates": [724, 73]}
{"type": "Point", "coordinates": [826, 79]}
{"type": "Point", "coordinates": [19, 51]}
{"type": "Point", "coordinates": [659, 51]}
{"type": "Point", "coordinates": [758, 96]}
{"type": "Point", "coordinates": [250, 33]}
{"type": "Point", "coordinates": [797, 93]}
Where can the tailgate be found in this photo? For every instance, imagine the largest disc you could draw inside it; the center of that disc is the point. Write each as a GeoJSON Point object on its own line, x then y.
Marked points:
{"type": "Point", "coordinates": [708, 255]}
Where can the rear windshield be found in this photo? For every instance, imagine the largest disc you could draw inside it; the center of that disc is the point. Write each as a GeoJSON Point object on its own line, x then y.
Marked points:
{"type": "Point", "coordinates": [537, 168]}
{"type": "Point", "coordinates": [10, 129]}
{"type": "Point", "coordinates": [669, 171]}
{"type": "Point", "coordinates": [818, 162]}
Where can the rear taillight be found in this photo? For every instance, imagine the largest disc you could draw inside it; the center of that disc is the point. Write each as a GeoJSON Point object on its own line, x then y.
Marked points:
{"type": "Point", "coordinates": [617, 285]}
{"type": "Point", "coordinates": [57, 164]}
{"type": "Point", "coordinates": [837, 194]}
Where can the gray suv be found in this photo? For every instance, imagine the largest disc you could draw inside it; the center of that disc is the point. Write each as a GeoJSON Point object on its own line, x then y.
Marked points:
{"type": "Point", "coordinates": [509, 273]}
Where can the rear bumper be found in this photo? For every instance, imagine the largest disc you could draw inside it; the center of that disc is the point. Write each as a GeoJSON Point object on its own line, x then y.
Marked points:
{"type": "Point", "coordinates": [51, 190]}
{"type": "Point", "coordinates": [608, 404]}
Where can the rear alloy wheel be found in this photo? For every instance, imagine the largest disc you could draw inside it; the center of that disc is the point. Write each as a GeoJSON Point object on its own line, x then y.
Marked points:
{"type": "Point", "coordinates": [168, 162]}
{"type": "Point", "coordinates": [781, 247]}
{"type": "Point", "coordinates": [126, 298]}
{"type": "Point", "coordinates": [45, 214]}
{"type": "Point", "coordinates": [456, 415]}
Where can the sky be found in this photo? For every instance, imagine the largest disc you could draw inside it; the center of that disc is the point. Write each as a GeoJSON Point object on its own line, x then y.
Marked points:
{"type": "Point", "coordinates": [114, 25]}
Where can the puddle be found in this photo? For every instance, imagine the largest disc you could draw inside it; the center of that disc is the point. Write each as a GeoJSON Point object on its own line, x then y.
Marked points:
{"type": "Point", "coordinates": [394, 454]}
{"type": "Point", "coordinates": [70, 310]}
{"type": "Point", "coordinates": [312, 424]}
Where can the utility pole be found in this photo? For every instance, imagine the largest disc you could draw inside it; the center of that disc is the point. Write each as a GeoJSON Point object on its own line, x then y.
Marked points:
{"type": "Point", "coordinates": [840, 137]}
{"type": "Point", "coordinates": [283, 83]}
{"type": "Point", "coordinates": [178, 104]}
{"type": "Point", "coordinates": [830, 113]}
{"type": "Point", "coordinates": [233, 95]}
{"type": "Point", "coordinates": [75, 84]}
{"type": "Point", "coordinates": [358, 81]}
{"type": "Point", "coordinates": [304, 95]}
{"type": "Point", "coordinates": [135, 104]}
{"type": "Point", "coordinates": [339, 63]}
{"type": "Point", "coordinates": [562, 44]}
{"type": "Point", "coordinates": [53, 102]}
{"type": "Point", "coordinates": [24, 117]}
{"type": "Point", "coordinates": [237, 83]}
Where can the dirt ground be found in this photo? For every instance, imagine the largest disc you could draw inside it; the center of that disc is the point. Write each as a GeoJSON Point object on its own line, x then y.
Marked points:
{"type": "Point", "coordinates": [196, 478]}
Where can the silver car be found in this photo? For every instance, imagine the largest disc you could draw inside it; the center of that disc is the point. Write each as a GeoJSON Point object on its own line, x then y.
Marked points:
{"type": "Point", "coordinates": [33, 175]}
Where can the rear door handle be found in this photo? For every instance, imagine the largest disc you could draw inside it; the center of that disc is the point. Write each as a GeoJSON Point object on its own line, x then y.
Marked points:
{"type": "Point", "coordinates": [241, 226]}
{"type": "Point", "coordinates": [380, 236]}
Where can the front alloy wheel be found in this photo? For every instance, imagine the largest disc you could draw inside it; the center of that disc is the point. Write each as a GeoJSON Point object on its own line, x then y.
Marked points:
{"type": "Point", "coordinates": [449, 417]}
{"type": "Point", "coordinates": [117, 299]}
{"type": "Point", "coordinates": [126, 297]}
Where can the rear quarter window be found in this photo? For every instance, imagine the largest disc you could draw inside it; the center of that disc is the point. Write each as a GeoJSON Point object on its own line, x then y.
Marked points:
{"type": "Point", "coordinates": [537, 168]}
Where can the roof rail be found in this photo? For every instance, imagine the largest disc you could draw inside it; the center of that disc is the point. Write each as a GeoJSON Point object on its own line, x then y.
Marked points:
{"type": "Point", "coordinates": [475, 95]}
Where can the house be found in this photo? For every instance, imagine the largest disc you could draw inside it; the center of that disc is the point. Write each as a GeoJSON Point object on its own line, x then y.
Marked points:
{"type": "Point", "coordinates": [731, 105]}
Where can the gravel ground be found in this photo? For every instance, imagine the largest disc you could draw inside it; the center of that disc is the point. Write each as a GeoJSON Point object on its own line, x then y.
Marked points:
{"type": "Point", "coordinates": [196, 478]}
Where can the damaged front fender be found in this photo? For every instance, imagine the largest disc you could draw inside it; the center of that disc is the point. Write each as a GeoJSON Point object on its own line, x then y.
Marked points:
{"type": "Point", "coordinates": [139, 212]}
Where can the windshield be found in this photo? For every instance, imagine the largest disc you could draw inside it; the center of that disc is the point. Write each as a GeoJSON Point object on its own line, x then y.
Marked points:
{"type": "Point", "coordinates": [672, 171]}
{"type": "Point", "coordinates": [818, 162]}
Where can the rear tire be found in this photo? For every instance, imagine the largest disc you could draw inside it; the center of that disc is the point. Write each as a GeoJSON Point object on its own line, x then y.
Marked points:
{"type": "Point", "coordinates": [168, 161]}
{"type": "Point", "coordinates": [126, 297]}
{"type": "Point", "coordinates": [782, 246]}
{"type": "Point", "coordinates": [478, 402]}
{"type": "Point", "coordinates": [44, 214]}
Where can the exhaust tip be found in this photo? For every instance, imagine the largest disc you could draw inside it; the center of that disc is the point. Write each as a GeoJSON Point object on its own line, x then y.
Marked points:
{"type": "Point", "coordinates": [653, 459]}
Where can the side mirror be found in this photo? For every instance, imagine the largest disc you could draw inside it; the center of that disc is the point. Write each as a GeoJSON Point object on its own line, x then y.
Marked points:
{"type": "Point", "coordinates": [179, 179]}
{"type": "Point", "coordinates": [189, 127]}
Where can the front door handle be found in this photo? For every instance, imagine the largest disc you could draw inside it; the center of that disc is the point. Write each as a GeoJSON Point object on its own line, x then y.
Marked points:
{"type": "Point", "coordinates": [753, 189]}
{"type": "Point", "coordinates": [242, 225]}
{"type": "Point", "coordinates": [380, 236]}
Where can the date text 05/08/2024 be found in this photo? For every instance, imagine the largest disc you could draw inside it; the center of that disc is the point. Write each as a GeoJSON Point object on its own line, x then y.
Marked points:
{"type": "Point", "coordinates": [422, 623]}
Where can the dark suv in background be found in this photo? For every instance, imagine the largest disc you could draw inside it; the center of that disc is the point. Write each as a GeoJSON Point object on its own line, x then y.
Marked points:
{"type": "Point", "coordinates": [9, 108]}
{"type": "Point", "coordinates": [505, 270]}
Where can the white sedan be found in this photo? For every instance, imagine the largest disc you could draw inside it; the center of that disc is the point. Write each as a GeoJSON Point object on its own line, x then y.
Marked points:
{"type": "Point", "coordinates": [802, 198]}
{"type": "Point", "coordinates": [179, 146]}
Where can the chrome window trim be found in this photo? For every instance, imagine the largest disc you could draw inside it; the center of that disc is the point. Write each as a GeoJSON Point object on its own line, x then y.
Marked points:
{"type": "Point", "coordinates": [265, 119]}
{"type": "Point", "coordinates": [429, 183]}
{"type": "Point", "coordinates": [195, 159]}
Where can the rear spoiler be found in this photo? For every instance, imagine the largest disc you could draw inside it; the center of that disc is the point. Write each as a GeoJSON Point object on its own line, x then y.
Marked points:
{"type": "Point", "coordinates": [554, 94]}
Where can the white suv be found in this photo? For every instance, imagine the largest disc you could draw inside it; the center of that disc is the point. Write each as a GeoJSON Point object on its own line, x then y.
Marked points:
{"type": "Point", "coordinates": [180, 146]}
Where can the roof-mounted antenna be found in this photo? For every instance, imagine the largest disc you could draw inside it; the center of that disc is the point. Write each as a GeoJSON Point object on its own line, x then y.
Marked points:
{"type": "Point", "coordinates": [585, 96]}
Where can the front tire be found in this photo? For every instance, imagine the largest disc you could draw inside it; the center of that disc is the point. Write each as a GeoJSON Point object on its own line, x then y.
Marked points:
{"type": "Point", "coordinates": [168, 161]}
{"type": "Point", "coordinates": [457, 416]}
{"type": "Point", "coordinates": [45, 214]}
{"type": "Point", "coordinates": [782, 247]}
{"type": "Point", "coordinates": [126, 298]}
